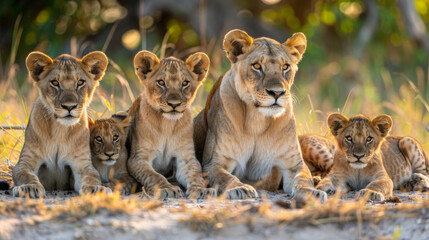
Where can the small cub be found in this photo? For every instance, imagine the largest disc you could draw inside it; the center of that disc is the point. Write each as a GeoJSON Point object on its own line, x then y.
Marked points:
{"type": "Point", "coordinates": [109, 153]}
{"type": "Point", "coordinates": [368, 160]}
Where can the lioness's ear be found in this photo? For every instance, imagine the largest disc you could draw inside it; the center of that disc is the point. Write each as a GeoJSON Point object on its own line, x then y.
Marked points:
{"type": "Point", "coordinates": [97, 63]}
{"type": "Point", "coordinates": [296, 46]}
{"type": "Point", "coordinates": [36, 63]}
{"type": "Point", "coordinates": [235, 43]}
{"type": "Point", "coordinates": [199, 64]}
{"type": "Point", "coordinates": [383, 124]}
{"type": "Point", "coordinates": [336, 122]}
{"type": "Point", "coordinates": [144, 62]}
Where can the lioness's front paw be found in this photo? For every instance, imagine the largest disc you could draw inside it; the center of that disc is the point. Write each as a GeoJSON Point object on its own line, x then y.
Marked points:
{"type": "Point", "coordinates": [326, 188]}
{"type": "Point", "coordinates": [170, 192]}
{"type": "Point", "coordinates": [242, 192]}
{"type": "Point", "coordinates": [91, 189]}
{"type": "Point", "coordinates": [201, 193]}
{"type": "Point", "coordinates": [304, 193]}
{"type": "Point", "coordinates": [372, 195]}
{"type": "Point", "coordinates": [29, 190]}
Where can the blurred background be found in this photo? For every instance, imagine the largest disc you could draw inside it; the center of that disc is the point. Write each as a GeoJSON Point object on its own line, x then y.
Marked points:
{"type": "Point", "coordinates": [368, 56]}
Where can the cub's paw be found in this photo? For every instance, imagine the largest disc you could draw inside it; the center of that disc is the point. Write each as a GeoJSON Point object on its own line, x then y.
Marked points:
{"type": "Point", "coordinates": [241, 192]}
{"type": "Point", "coordinates": [420, 182]}
{"type": "Point", "coordinates": [201, 193]}
{"type": "Point", "coordinates": [327, 189]}
{"type": "Point", "coordinates": [303, 194]}
{"type": "Point", "coordinates": [29, 190]}
{"type": "Point", "coordinates": [91, 189]}
{"type": "Point", "coordinates": [370, 194]}
{"type": "Point", "coordinates": [170, 192]}
{"type": "Point", "coordinates": [316, 180]}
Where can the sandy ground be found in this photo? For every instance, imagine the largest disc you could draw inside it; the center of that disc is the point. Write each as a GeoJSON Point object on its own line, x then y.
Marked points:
{"type": "Point", "coordinates": [167, 222]}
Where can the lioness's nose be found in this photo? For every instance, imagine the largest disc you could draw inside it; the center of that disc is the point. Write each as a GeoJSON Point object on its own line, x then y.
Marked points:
{"type": "Point", "coordinates": [173, 104]}
{"type": "Point", "coordinates": [68, 106]}
{"type": "Point", "coordinates": [109, 154]}
{"type": "Point", "coordinates": [275, 93]}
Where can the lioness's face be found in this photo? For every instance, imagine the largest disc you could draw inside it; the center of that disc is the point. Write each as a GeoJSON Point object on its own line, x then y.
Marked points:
{"type": "Point", "coordinates": [66, 84]}
{"type": "Point", "coordinates": [171, 84]}
{"type": "Point", "coordinates": [107, 138]}
{"type": "Point", "coordinates": [359, 137]}
{"type": "Point", "coordinates": [265, 69]}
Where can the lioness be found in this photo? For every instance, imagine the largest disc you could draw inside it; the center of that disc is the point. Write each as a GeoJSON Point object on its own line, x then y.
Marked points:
{"type": "Point", "coordinates": [56, 147]}
{"type": "Point", "coordinates": [108, 151]}
{"type": "Point", "coordinates": [367, 159]}
{"type": "Point", "coordinates": [161, 132]}
{"type": "Point", "coordinates": [248, 126]}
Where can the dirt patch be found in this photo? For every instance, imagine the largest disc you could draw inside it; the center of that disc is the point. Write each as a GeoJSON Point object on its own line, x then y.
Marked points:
{"type": "Point", "coordinates": [64, 215]}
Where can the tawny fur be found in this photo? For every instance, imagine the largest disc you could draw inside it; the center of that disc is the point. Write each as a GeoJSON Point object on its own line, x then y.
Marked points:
{"type": "Point", "coordinates": [161, 135]}
{"type": "Point", "coordinates": [401, 159]}
{"type": "Point", "coordinates": [56, 153]}
{"type": "Point", "coordinates": [109, 153]}
{"type": "Point", "coordinates": [248, 126]}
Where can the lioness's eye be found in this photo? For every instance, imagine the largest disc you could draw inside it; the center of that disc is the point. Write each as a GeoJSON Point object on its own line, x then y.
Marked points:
{"type": "Point", "coordinates": [185, 83]}
{"type": "Point", "coordinates": [98, 139]}
{"type": "Point", "coordinates": [285, 67]}
{"type": "Point", "coordinates": [349, 139]}
{"type": "Point", "coordinates": [80, 83]}
{"type": "Point", "coordinates": [160, 82]}
{"type": "Point", "coordinates": [257, 66]}
{"type": "Point", "coordinates": [115, 138]}
{"type": "Point", "coordinates": [55, 83]}
{"type": "Point", "coordinates": [369, 139]}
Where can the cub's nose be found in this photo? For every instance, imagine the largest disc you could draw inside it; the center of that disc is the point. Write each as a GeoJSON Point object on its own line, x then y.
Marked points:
{"type": "Point", "coordinates": [69, 106]}
{"type": "Point", "coordinates": [173, 104]}
{"type": "Point", "coordinates": [358, 156]}
{"type": "Point", "coordinates": [275, 93]}
{"type": "Point", "coordinates": [109, 154]}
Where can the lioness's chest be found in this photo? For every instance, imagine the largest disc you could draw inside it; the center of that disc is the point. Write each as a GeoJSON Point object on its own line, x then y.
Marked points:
{"type": "Point", "coordinates": [165, 155]}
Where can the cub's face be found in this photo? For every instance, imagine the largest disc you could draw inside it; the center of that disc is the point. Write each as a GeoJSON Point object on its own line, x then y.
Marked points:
{"type": "Point", "coordinates": [171, 84]}
{"type": "Point", "coordinates": [359, 137]}
{"type": "Point", "coordinates": [107, 139]}
{"type": "Point", "coordinates": [265, 69]}
{"type": "Point", "coordinates": [66, 84]}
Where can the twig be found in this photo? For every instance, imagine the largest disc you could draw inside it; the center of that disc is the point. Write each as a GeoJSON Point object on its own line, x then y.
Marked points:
{"type": "Point", "coordinates": [12, 127]}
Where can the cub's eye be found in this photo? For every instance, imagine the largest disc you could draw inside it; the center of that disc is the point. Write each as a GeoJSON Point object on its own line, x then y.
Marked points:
{"type": "Point", "coordinates": [98, 139]}
{"type": "Point", "coordinates": [80, 83]}
{"type": "Point", "coordinates": [369, 139]}
{"type": "Point", "coordinates": [115, 138]}
{"type": "Point", "coordinates": [185, 83]}
{"type": "Point", "coordinates": [55, 83]}
{"type": "Point", "coordinates": [285, 67]}
{"type": "Point", "coordinates": [349, 139]}
{"type": "Point", "coordinates": [257, 66]}
{"type": "Point", "coordinates": [161, 83]}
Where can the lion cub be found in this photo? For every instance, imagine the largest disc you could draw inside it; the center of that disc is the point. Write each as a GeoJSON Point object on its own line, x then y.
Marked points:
{"type": "Point", "coordinates": [161, 131]}
{"type": "Point", "coordinates": [369, 160]}
{"type": "Point", "coordinates": [56, 147]}
{"type": "Point", "coordinates": [109, 153]}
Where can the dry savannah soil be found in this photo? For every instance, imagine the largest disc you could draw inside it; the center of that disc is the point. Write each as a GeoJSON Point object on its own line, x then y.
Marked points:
{"type": "Point", "coordinates": [64, 215]}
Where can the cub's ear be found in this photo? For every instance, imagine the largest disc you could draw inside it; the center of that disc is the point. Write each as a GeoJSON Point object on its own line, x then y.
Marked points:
{"type": "Point", "coordinates": [36, 63]}
{"type": "Point", "coordinates": [123, 119]}
{"type": "Point", "coordinates": [144, 62]}
{"type": "Point", "coordinates": [336, 122]}
{"type": "Point", "coordinates": [91, 123]}
{"type": "Point", "coordinates": [97, 63]}
{"type": "Point", "coordinates": [383, 124]}
{"type": "Point", "coordinates": [199, 64]}
{"type": "Point", "coordinates": [296, 46]}
{"type": "Point", "coordinates": [236, 43]}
